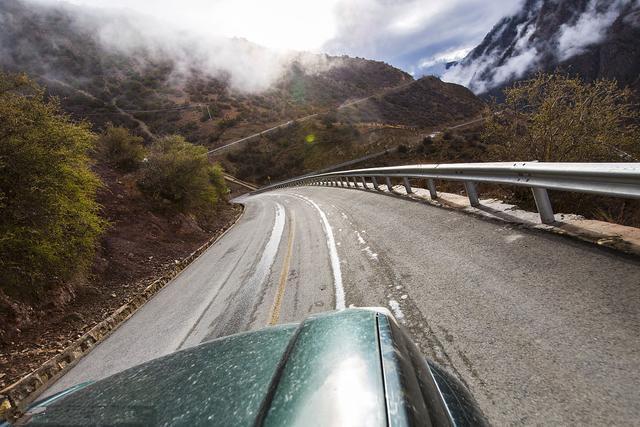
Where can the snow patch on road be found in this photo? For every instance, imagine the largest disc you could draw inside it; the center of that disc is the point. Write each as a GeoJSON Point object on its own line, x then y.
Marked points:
{"type": "Point", "coordinates": [397, 312]}
{"type": "Point", "coordinates": [367, 250]}
{"type": "Point", "coordinates": [333, 254]}
{"type": "Point", "coordinates": [370, 253]}
{"type": "Point", "coordinates": [270, 249]}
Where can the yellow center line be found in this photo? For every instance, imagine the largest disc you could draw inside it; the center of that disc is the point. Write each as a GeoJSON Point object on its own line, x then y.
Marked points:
{"type": "Point", "coordinates": [277, 302]}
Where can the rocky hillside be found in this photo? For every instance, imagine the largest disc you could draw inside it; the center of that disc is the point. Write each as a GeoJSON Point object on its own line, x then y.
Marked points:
{"type": "Point", "coordinates": [98, 81]}
{"type": "Point", "coordinates": [186, 86]}
{"type": "Point", "coordinates": [426, 103]}
{"type": "Point", "coordinates": [591, 38]}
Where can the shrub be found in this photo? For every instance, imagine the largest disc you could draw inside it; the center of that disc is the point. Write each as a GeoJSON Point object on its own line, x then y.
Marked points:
{"type": "Point", "coordinates": [178, 176]}
{"type": "Point", "coordinates": [225, 124]}
{"type": "Point", "coordinates": [557, 118]}
{"type": "Point", "coordinates": [49, 217]}
{"type": "Point", "coordinates": [121, 149]}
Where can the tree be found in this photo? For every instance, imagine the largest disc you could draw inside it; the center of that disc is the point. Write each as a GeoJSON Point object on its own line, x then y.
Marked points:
{"type": "Point", "coordinates": [178, 176]}
{"type": "Point", "coordinates": [49, 217]}
{"type": "Point", "coordinates": [558, 118]}
{"type": "Point", "coordinates": [121, 149]}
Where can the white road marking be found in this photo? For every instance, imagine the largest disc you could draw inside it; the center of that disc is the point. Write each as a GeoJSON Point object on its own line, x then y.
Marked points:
{"type": "Point", "coordinates": [333, 254]}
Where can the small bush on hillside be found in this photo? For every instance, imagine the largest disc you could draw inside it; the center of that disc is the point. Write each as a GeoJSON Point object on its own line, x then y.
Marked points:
{"type": "Point", "coordinates": [225, 124]}
{"type": "Point", "coordinates": [557, 118]}
{"type": "Point", "coordinates": [178, 176]}
{"type": "Point", "coordinates": [121, 149]}
{"type": "Point", "coordinates": [49, 217]}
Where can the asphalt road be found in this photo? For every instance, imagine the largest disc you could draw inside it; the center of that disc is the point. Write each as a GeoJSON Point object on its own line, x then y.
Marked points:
{"type": "Point", "coordinates": [543, 329]}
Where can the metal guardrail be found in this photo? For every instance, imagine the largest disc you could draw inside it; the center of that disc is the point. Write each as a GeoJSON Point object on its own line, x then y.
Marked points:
{"type": "Point", "coordinates": [607, 179]}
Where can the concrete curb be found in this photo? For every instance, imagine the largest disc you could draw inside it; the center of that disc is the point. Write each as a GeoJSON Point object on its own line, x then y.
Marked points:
{"type": "Point", "coordinates": [16, 397]}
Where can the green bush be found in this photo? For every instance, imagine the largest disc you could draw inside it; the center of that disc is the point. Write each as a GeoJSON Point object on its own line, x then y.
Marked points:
{"type": "Point", "coordinates": [49, 217]}
{"type": "Point", "coordinates": [178, 176]}
{"type": "Point", "coordinates": [121, 149]}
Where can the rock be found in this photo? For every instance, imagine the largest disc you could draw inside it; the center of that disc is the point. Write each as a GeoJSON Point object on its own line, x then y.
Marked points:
{"type": "Point", "coordinates": [113, 295]}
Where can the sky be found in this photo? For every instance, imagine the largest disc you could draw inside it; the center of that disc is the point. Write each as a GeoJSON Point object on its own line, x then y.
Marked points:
{"type": "Point", "coordinates": [418, 36]}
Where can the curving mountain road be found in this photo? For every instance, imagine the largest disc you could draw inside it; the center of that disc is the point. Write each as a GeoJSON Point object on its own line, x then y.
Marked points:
{"type": "Point", "coordinates": [543, 329]}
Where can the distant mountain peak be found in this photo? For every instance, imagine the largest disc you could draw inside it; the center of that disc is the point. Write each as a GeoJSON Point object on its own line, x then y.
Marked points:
{"type": "Point", "coordinates": [592, 38]}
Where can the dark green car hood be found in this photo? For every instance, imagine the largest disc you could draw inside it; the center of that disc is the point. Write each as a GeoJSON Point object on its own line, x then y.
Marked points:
{"type": "Point", "coordinates": [350, 367]}
{"type": "Point", "coordinates": [290, 374]}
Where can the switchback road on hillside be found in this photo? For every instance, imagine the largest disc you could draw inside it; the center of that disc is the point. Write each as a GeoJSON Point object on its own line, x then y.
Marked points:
{"type": "Point", "coordinates": [542, 328]}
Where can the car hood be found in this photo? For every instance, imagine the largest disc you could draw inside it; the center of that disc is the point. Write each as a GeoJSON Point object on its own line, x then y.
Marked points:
{"type": "Point", "coordinates": [325, 370]}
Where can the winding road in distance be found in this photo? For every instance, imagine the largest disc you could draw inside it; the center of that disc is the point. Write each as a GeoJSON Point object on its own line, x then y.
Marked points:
{"type": "Point", "coordinates": [542, 328]}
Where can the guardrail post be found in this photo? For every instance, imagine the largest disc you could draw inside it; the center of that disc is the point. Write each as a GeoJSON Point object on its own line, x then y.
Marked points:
{"type": "Point", "coordinates": [543, 204]}
{"type": "Point", "coordinates": [375, 183]}
{"type": "Point", "coordinates": [389, 186]}
{"type": "Point", "coordinates": [472, 193]}
{"type": "Point", "coordinates": [364, 183]}
{"type": "Point", "coordinates": [432, 188]}
{"type": "Point", "coordinates": [407, 185]}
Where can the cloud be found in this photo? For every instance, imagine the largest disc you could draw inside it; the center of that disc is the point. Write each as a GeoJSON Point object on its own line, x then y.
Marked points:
{"type": "Point", "coordinates": [419, 36]}
{"type": "Point", "coordinates": [588, 30]}
{"type": "Point", "coordinates": [416, 35]}
{"type": "Point", "coordinates": [246, 66]}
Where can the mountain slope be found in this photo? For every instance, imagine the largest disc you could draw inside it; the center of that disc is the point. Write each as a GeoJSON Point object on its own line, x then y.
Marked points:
{"type": "Point", "coordinates": [210, 91]}
{"type": "Point", "coordinates": [591, 38]}
{"type": "Point", "coordinates": [94, 79]}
